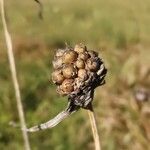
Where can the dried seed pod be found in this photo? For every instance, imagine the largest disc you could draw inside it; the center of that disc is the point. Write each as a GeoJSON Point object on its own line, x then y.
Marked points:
{"type": "Point", "coordinates": [82, 74]}
{"type": "Point", "coordinates": [59, 52]}
{"type": "Point", "coordinates": [60, 91]}
{"type": "Point", "coordinates": [80, 64]}
{"type": "Point", "coordinates": [57, 62]}
{"type": "Point", "coordinates": [93, 54]}
{"type": "Point", "coordinates": [67, 86]}
{"type": "Point", "coordinates": [69, 71]}
{"type": "Point", "coordinates": [57, 77]}
{"type": "Point", "coordinates": [84, 56]}
{"type": "Point", "coordinates": [69, 57]}
{"type": "Point", "coordinates": [93, 64]}
{"type": "Point", "coordinates": [80, 48]}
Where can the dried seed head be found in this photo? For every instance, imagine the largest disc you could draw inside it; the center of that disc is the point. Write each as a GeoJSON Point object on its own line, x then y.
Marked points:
{"type": "Point", "coordinates": [80, 64]}
{"type": "Point", "coordinates": [93, 64]}
{"type": "Point", "coordinates": [69, 71]}
{"type": "Point", "coordinates": [84, 56]}
{"type": "Point", "coordinates": [67, 86]}
{"type": "Point", "coordinates": [78, 71]}
{"type": "Point", "coordinates": [82, 74]}
{"type": "Point", "coordinates": [57, 62]}
{"type": "Point", "coordinates": [57, 77]}
{"type": "Point", "coordinates": [80, 48]}
{"type": "Point", "coordinates": [69, 57]}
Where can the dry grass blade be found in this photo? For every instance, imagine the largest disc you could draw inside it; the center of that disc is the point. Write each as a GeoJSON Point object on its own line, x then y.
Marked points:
{"type": "Point", "coordinates": [94, 129]}
{"type": "Point", "coordinates": [14, 75]}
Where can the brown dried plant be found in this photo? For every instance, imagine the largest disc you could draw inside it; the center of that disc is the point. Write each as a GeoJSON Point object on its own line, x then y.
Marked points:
{"type": "Point", "coordinates": [77, 72]}
{"type": "Point", "coordinates": [14, 75]}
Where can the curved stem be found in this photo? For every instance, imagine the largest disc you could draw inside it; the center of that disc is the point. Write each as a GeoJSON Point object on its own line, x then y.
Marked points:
{"type": "Point", "coordinates": [51, 123]}
{"type": "Point", "coordinates": [56, 120]}
{"type": "Point", "coordinates": [14, 75]}
{"type": "Point", "coordinates": [94, 128]}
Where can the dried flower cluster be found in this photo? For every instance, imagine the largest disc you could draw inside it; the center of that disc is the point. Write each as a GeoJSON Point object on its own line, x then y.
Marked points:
{"type": "Point", "coordinates": [77, 72]}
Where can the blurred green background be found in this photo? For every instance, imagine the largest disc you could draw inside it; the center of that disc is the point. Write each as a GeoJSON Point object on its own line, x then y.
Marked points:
{"type": "Point", "coordinates": [119, 31]}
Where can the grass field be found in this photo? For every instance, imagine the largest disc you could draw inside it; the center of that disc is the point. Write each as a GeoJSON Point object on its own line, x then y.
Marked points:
{"type": "Point", "coordinates": [119, 31]}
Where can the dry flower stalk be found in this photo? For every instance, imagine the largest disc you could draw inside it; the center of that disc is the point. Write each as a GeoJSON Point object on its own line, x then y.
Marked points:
{"type": "Point", "coordinates": [94, 129]}
{"type": "Point", "coordinates": [14, 76]}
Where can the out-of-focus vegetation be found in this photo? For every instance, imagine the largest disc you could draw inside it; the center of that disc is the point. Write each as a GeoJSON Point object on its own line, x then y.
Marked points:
{"type": "Point", "coordinates": [119, 31]}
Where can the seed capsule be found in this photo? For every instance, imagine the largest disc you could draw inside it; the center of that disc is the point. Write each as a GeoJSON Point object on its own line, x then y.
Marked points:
{"type": "Point", "coordinates": [67, 86]}
{"type": "Point", "coordinates": [57, 77]}
{"type": "Point", "coordinates": [92, 64]}
{"type": "Point", "coordinates": [80, 48]}
{"type": "Point", "coordinates": [69, 57]}
{"type": "Point", "coordinates": [60, 91]}
{"type": "Point", "coordinates": [69, 71]}
{"type": "Point", "coordinates": [82, 74]}
{"type": "Point", "coordinates": [80, 64]}
{"type": "Point", "coordinates": [84, 56]}
{"type": "Point", "coordinates": [57, 62]}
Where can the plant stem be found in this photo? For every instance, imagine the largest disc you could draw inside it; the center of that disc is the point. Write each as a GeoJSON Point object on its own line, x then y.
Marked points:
{"type": "Point", "coordinates": [14, 76]}
{"type": "Point", "coordinates": [94, 128]}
